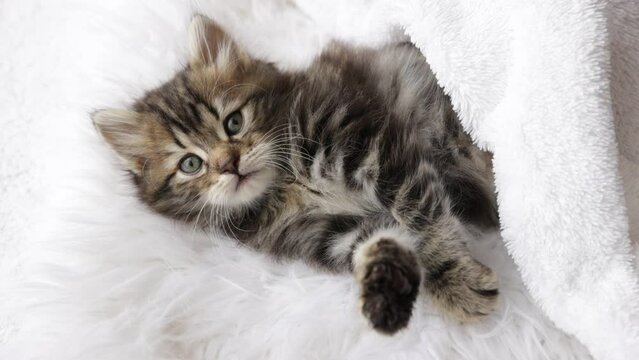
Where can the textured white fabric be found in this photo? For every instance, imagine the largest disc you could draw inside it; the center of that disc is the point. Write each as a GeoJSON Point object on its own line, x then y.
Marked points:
{"type": "Point", "coordinates": [88, 272]}
{"type": "Point", "coordinates": [547, 116]}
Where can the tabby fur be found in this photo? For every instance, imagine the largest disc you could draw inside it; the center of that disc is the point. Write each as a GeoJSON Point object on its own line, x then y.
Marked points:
{"type": "Point", "coordinates": [357, 163]}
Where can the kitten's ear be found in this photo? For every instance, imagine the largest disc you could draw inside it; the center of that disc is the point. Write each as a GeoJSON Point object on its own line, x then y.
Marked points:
{"type": "Point", "coordinates": [125, 132]}
{"type": "Point", "coordinates": [209, 44]}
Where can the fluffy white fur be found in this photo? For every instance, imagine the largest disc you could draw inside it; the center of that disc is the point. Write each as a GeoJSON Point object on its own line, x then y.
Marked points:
{"type": "Point", "coordinates": [89, 273]}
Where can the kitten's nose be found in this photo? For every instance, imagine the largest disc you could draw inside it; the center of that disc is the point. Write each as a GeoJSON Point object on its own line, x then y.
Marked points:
{"type": "Point", "coordinates": [228, 164]}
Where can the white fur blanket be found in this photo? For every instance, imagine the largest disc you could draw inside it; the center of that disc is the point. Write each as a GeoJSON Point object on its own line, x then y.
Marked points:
{"type": "Point", "coordinates": [87, 273]}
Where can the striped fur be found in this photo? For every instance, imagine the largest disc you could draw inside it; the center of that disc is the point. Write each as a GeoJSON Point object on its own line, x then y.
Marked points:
{"type": "Point", "coordinates": [356, 164]}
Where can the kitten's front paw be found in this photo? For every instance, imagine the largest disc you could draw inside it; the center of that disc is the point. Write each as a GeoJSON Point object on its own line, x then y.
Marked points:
{"type": "Point", "coordinates": [390, 285]}
{"type": "Point", "coordinates": [464, 289]}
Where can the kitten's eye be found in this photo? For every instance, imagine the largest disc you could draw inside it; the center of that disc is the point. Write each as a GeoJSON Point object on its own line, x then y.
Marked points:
{"type": "Point", "coordinates": [190, 164]}
{"type": "Point", "coordinates": [233, 123]}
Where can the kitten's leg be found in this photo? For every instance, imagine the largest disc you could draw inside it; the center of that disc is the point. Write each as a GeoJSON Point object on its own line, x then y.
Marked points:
{"type": "Point", "coordinates": [459, 285]}
{"type": "Point", "coordinates": [381, 255]}
{"type": "Point", "coordinates": [388, 272]}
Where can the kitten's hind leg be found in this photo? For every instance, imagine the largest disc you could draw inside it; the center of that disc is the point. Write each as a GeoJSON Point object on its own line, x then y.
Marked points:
{"type": "Point", "coordinates": [459, 285]}
{"type": "Point", "coordinates": [389, 275]}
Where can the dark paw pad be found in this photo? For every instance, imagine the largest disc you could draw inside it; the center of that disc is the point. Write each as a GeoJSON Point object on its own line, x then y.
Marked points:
{"type": "Point", "coordinates": [389, 291]}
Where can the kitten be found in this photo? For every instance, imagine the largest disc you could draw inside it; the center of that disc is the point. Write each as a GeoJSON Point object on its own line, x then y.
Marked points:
{"type": "Point", "coordinates": [356, 164]}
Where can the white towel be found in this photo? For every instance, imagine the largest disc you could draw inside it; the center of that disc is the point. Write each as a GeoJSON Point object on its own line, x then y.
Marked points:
{"type": "Point", "coordinates": [532, 81]}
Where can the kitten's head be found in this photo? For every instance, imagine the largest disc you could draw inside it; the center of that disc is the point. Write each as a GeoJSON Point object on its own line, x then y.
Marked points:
{"type": "Point", "coordinates": [211, 137]}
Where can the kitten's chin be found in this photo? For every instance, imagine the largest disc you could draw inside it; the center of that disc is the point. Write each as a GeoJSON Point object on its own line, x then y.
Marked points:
{"type": "Point", "coordinates": [243, 190]}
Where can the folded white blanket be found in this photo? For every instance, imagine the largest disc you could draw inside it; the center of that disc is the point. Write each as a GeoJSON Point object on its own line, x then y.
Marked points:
{"type": "Point", "coordinates": [542, 84]}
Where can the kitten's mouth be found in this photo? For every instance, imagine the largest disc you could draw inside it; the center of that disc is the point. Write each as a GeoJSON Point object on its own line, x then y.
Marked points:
{"type": "Point", "coordinates": [241, 179]}
{"type": "Point", "coordinates": [244, 186]}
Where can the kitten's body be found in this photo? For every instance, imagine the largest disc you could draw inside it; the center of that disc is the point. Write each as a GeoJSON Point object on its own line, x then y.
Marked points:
{"type": "Point", "coordinates": [373, 135]}
{"type": "Point", "coordinates": [358, 163]}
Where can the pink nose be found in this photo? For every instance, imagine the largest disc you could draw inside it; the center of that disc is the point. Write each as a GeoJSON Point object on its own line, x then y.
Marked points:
{"type": "Point", "coordinates": [228, 164]}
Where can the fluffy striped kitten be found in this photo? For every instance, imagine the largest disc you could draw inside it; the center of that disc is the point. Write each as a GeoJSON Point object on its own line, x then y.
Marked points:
{"type": "Point", "coordinates": [356, 164]}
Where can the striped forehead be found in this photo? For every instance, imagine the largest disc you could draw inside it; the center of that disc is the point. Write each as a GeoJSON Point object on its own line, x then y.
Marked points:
{"type": "Point", "coordinates": [181, 107]}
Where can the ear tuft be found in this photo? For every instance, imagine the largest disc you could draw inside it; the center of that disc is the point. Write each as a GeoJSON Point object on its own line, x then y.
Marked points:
{"type": "Point", "coordinates": [209, 44]}
{"type": "Point", "coordinates": [116, 124]}
{"type": "Point", "coordinates": [124, 131]}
